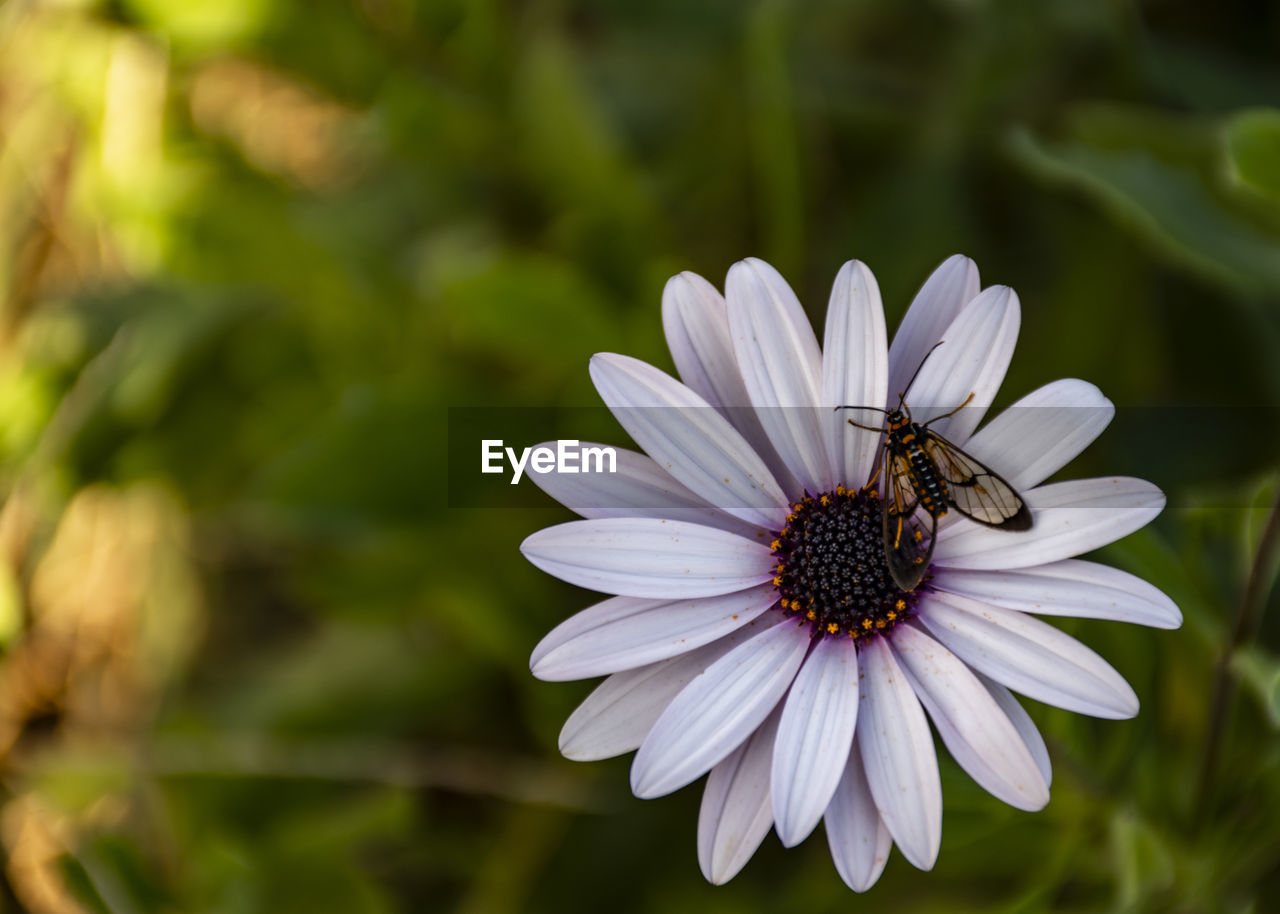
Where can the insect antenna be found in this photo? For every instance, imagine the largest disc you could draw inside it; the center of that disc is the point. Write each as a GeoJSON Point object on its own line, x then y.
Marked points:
{"type": "Point", "coordinates": [869, 428]}
{"type": "Point", "coordinates": [872, 408]}
{"type": "Point", "coordinates": [902, 395]}
{"type": "Point", "coordinates": [966, 402]}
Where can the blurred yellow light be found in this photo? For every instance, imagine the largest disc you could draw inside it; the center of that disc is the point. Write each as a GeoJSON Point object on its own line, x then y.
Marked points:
{"type": "Point", "coordinates": [204, 22]}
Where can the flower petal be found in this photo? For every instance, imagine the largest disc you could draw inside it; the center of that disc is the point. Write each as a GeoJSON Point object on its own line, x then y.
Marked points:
{"type": "Point", "coordinates": [972, 725]}
{"type": "Point", "coordinates": [1068, 518]}
{"type": "Point", "coordinates": [781, 366]}
{"type": "Point", "coordinates": [856, 834]}
{"type": "Point", "coordinates": [718, 710]}
{"type": "Point", "coordinates": [1028, 656]}
{"type": "Point", "coordinates": [688, 438]}
{"type": "Point", "coordinates": [1068, 588]}
{"type": "Point", "coordinates": [814, 738]}
{"type": "Point", "coordinates": [648, 557]}
{"type": "Point", "coordinates": [616, 717]}
{"type": "Point", "coordinates": [897, 755]}
{"type": "Point", "coordinates": [696, 322]}
{"type": "Point", "coordinates": [1042, 432]}
{"type": "Point", "coordinates": [950, 287]}
{"type": "Point", "coordinates": [855, 371]}
{"type": "Point", "coordinates": [638, 488]}
{"type": "Point", "coordinates": [975, 354]}
{"type": "Point", "coordinates": [626, 632]}
{"type": "Point", "coordinates": [1027, 729]}
{"type": "Point", "coordinates": [736, 813]}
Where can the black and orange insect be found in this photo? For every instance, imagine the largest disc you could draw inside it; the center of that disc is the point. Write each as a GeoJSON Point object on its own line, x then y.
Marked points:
{"type": "Point", "coordinates": [925, 474]}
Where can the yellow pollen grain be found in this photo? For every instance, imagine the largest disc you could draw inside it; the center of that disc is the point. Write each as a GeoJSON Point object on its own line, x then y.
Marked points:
{"type": "Point", "coordinates": [879, 623]}
{"type": "Point", "coordinates": [866, 623]}
{"type": "Point", "coordinates": [785, 604]}
{"type": "Point", "coordinates": [777, 581]}
{"type": "Point", "coordinates": [832, 628]}
{"type": "Point", "coordinates": [919, 534]}
{"type": "Point", "coordinates": [892, 615]}
{"type": "Point", "coordinates": [811, 615]}
{"type": "Point", "coordinates": [901, 604]}
{"type": "Point", "coordinates": [825, 500]}
{"type": "Point", "coordinates": [840, 490]}
{"type": "Point", "coordinates": [775, 545]}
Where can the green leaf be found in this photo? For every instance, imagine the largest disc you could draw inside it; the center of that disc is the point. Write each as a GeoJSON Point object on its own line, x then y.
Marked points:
{"type": "Point", "coordinates": [1259, 671]}
{"type": "Point", "coordinates": [1253, 142]}
{"type": "Point", "coordinates": [1164, 198]}
{"type": "Point", "coordinates": [1143, 861]}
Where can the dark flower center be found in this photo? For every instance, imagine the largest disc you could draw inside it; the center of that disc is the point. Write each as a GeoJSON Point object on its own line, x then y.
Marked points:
{"type": "Point", "coordinates": [831, 567]}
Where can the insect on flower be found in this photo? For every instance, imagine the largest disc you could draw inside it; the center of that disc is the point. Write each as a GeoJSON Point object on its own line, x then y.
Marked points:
{"type": "Point", "coordinates": [924, 475]}
{"type": "Point", "coordinates": [804, 692]}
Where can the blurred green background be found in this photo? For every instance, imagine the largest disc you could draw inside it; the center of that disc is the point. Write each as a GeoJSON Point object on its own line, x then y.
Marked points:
{"type": "Point", "coordinates": [252, 251]}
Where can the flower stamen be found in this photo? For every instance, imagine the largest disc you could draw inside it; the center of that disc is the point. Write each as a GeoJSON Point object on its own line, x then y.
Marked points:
{"type": "Point", "coordinates": [831, 567]}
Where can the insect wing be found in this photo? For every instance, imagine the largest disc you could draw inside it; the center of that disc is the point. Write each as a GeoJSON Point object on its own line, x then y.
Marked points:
{"type": "Point", "coordinates": [909, 530]}
{"type": "Point", "coordinates": [975, 491]}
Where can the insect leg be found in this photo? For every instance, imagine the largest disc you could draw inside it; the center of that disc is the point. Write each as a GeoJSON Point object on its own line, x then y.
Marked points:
{"type": "Point", "coordinates": [874, 476]}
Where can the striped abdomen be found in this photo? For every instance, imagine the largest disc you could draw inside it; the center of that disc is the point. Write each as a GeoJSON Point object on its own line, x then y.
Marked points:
{"type": "Point", "coordinates": [927, 483]}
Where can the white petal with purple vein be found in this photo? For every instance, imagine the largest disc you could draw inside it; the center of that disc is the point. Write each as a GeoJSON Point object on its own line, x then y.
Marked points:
{"type": "Point", "coordinates": [972, 725]}
{"type": "Point", "coordinates": [717, 711]}
{"type": "Point", "coordinates": [1068, 519]}
{"type": "Point", "coordinates": [637, 488]}
{"type": "Point", "coordinates": [1028, 656]}
{"type": "Point", "coordinates": [616, 717]}
{"type": "Point", "coordinates": [688, 438]}
{"type": "Point", "coordinates": [626, 632]}
{"type": "Point", "coordinates": [1042, 432]}
{"type": "Point", "coordinates": [696, 322]}
{"type": "Point", "coordinates": [973, 358]}
{"type": "Point", "coordinates": [947, 290]}
{"type": "Point", "coordinates": [736, 812]}
{"type": "Point", "coordinates": [781, 366]}
{"type": "Point", "coordinates": [1027, 729]}
{"type": "Point", "coordinates": [857, 836]}
{"type": "Point", "coordinates": [647, 557]}
{"type": "Point", "coordinates": [814, 737]}
{"type": "Point", "coordinates": [897, 755]}
{"type": "Point", "coordinates": [1068, 588]}
{"type": "Point", "coordinates": [855, 371]}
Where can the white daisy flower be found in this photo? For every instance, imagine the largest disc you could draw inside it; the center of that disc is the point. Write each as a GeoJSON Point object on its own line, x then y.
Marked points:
{"type": "Point", "coordinates": [756, 633]}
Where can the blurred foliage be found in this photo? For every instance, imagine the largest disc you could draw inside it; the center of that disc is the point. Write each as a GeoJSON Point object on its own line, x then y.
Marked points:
{"type": "Point", "coordinates": [251, 252]}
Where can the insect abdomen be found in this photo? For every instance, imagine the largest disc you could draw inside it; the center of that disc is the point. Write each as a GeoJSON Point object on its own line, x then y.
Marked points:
{"type": "Point", "coordinates": [928, 485]}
